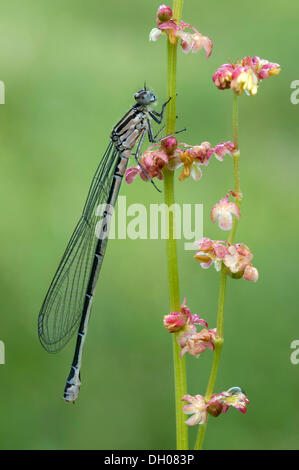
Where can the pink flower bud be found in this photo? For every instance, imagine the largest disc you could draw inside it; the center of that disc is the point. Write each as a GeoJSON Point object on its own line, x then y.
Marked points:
{"type": "Point", "coordinates": [174, 321]}
{"type": "Point", "coordinates": [251, 273]}
{"type": "Point", "coordinates": [223, 76]}
{"type": "Point", "coordinates": [169, 144]}
{"type": "Point", "coordinates": [164, 13]}
{"type": "Point", "coordinates": [183, 320]}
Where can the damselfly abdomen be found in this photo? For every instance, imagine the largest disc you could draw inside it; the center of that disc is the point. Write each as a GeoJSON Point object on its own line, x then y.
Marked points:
{"type": "Point", "coordinates": [68, 302]}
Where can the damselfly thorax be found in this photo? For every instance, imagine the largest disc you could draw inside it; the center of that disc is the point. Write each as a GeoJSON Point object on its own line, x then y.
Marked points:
{"type": "Point", "coordinates": [128, 130]}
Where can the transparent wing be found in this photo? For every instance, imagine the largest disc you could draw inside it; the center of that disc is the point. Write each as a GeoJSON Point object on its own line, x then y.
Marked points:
{"type": "Point", "coordinates": [61, 311]}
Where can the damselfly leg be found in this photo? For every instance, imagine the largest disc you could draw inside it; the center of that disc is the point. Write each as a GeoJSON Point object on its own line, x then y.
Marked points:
{"type": "Point", "coordinates": [158, 117]}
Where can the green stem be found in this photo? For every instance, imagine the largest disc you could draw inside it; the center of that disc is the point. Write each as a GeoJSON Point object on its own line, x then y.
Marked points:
{"type": "Point", "coordinates": [221, 299]}
{"type": "Point", "coordinates": [236, 158]}
{"type": "Point", "coordinates": [171, 87]}
{"type": "Point", "coordinates": [172, 261]}
{"type": "Point", "coordinates": [222, 289]}
{"type": "Point", "coordinates": [235, 121]}
{"type": "Point", "coordinates": [217, 353]}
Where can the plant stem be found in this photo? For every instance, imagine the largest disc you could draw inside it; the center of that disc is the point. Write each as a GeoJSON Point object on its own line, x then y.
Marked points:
{"type": "Point", "coordinates": [222, 288]}
{"type": "Point", "coordinates": [173, 277]}
{"type": "Point", "coordinates": [236, 158]}
{"type": "Point", "coordinates": [235, 121]}
{"type": "Point", "coordinates": [217, 353]}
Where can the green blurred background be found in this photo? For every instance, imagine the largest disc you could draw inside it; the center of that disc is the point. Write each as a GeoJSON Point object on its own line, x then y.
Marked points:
{"type": "Point", "coordinates": [70, 68]}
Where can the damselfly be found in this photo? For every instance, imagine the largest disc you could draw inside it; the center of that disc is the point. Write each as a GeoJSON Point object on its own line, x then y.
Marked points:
{"type": "Point", "coordinates": [68, 302]}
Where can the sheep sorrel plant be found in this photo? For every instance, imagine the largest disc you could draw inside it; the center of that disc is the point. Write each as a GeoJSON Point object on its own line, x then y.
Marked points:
{"type": "Point", "coordinates": [229, 258]}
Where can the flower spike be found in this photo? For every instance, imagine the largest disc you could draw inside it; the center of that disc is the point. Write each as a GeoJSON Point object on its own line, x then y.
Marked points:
{"type": "Point", "coordinates": [237, 258]}
{"type": "Point", "coordinates": [175, 155]}
{"type": "Point", "coordinates": [165, 23]}
{"type": "Point", "coordinates": [245, 75]}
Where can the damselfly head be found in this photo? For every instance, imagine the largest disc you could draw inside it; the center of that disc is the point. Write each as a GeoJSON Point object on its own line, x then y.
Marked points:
{"type": "Point", "coordinates": [145, 97]}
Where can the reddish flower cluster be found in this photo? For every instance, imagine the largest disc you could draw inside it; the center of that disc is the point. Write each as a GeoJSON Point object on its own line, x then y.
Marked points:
{"type": "Point", "coordinates": [188, 338]}
{"type": "Point", "coordinates": [192, 157]}
{"type": "Point", "coordinates": [175, 155]}
{"type": "Point", "coordinates": [152, 162]}
{"type": "Point", "coordinates": [196, 343]}
{"type": "Point", "coordinates": [209, 252]}
{"type": "Point", "coordinates": [176, 31]}
{"type": "Point", "coordinates": [175, 321]}
{"type": "Point", "coordinates": [218, 403]}
{"type": "Point", "coordinates": [237, 258]}
{"type": "Point", "coordinates": [244, 75]}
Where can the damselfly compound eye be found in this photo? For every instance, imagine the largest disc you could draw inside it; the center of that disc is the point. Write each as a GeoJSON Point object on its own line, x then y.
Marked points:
{"type": "Point", "coordinates": [140, 96]}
